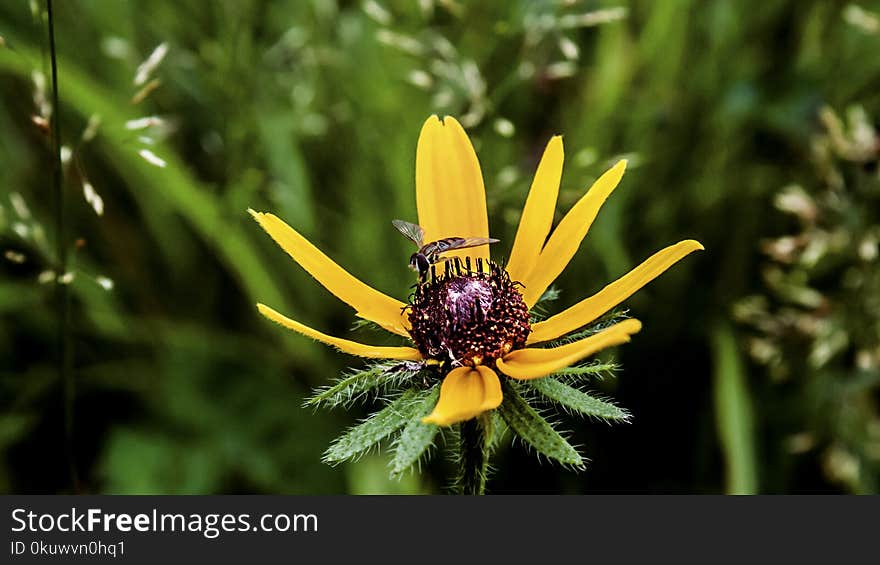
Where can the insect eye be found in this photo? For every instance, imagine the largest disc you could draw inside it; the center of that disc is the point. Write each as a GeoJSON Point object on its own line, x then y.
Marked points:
{"type": "Point", "coordinates": [422, 263]}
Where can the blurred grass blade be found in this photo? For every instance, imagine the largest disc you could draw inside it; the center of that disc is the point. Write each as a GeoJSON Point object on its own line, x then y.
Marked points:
{"type": "Point", "coordinates": [293, 194]}
{"type": "Point", "coordinates": [733, 412]}
{"type": "Point", "coordinates": [416, 439]}
{"type": "Point", "coordinates": [534, 430]}
{"type": "Point", "coordinates": [577, 400]}
{"type": "Point", "coordinates": [158, 189]}
{"type": "Point", "coordinates": [370, 476]}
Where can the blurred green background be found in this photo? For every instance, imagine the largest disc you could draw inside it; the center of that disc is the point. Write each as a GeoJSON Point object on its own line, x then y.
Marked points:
{"type": "Point", "coordinates": [749, 126]}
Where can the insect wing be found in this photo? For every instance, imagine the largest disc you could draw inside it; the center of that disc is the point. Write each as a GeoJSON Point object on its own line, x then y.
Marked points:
{"type": "Point", "coordinates": [464, 242]}
{"type": "Point", "coordinates": [441, 245]}
{"type": "Point", "coordinates": [435, 248]}
{"type": "Point", "coordinates": [412, 232]}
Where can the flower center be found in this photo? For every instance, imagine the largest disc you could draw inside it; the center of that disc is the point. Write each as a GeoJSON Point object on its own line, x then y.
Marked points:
{"type": "Point", "coordinates": [468, 317]}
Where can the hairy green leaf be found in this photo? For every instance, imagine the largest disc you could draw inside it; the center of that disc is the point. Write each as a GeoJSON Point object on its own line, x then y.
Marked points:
{"type": "Point", "coordinates": [597, 368]}
{"type": "Point", "coordinates": [417, 438]}
{"type": "Point", "coordinates": [539, 312]}
{"type": "Point", "coordinates": [379, 377]}
{"type": "Point", "coordinates": [577, 400]}
{"type": "Point", "coordinates": [366, 435]}
{"type": "Point", "coordinates": [593, 328]}
{"type": "Point", "coordinates": [535, 430]}
{"type": "Point", "coordinates": [549, 295]}
{"type": "Point", "coordinates": [499, 430]}
{"type": "Point", "coordinates": [474, 439]}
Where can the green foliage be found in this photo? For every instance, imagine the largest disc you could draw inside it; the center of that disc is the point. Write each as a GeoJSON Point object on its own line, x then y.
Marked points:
{"type": "Point", "coordinates": [593, 328]}
{"type": "Point", "coordinates": [578, 400]}
{"type": "Point", "coordinates": [366, 436]}
{"type": "Point", "coordinates": [370, 475]}
{"type": "Point", "coordinates": [734, 416]}
{"type": "Point", "coordinates": [814, 327]}
{"type": "Point", "coordinates": [595, 369]}
{"type": "Point", "coordinates": [416, 438]}
{"type": "Point", "coordinates": [540, 310]}
{"type": "Point", "coordinates": [474, 449]}
{"type": "Point", "coordinates": [534, 429]}
{"type": "Point", "coordinates": [312, 110]}
{"type": "Point", "coordinates": [377, 379]}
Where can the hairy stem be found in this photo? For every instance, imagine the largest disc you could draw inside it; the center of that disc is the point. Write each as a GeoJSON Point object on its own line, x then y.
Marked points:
{"type": "Point", "coordinates": [65, 356]}
{"type": "Point", "coordinates": [475, 438]}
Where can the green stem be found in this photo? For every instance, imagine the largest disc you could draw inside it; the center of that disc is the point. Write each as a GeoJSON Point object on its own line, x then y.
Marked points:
{"type": "Point", "coordinates": [475, 437]}
{"type": "Point", "coordinates": [65, 355]}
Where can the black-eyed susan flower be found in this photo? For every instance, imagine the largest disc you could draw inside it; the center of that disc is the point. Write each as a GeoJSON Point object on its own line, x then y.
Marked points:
{"type": "Point", "coordinates": [468, 322]}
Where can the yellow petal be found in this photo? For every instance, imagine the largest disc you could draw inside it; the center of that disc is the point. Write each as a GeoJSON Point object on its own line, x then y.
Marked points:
{"type": "Point", "coordinates": [466, 392]}
{"type": "Point", "coordinates": [344, 345]}
{"type": "Point", "coordinates": [567, 236]}
{"type": "Point", "coordinates": [369, 303]}
{"type": "Point", "coordinates": [450, 196]}
{"type": "Point", "coordinates": [591, 308]}
{"type": "Point", "coordinates": [537, 216]}
{"type": "Point", "coordinates": [534, 363]}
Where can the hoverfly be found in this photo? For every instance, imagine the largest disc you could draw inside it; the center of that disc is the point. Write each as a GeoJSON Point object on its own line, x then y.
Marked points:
{"type": "Point", "coordinates": [429, 253]}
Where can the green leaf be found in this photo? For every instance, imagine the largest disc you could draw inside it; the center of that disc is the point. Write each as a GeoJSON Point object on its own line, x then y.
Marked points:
{"type": "Point", "coordinates": [577, 400]}
{"type": "Point", "coordinates": [599, 325]}
{"type": "Point", "coordinates": [535, 430]}
{"type": "Point", "coordinates": [417, 438]}
{"type": "Point", "coordinates": [292, 192]}
{"type": "Point", "coordinates": [378, 377]}
{"type": "Point", "coordinates": [370, 476]}
{"type": "Point", "coordinates": [539, 310]}
{"type": "Point", "coordinates": [597, 368]}
{"type": "Point", "coordinates": [499, 430]}
{"type": "Point", "coordinates": [733, 410]}
{"type": "Point", "coordinates": [366, 435]}
{"type": "Point", "coordinates": [160, 191]}
{"type": "Point", "coordinates": [474, 439]}
{"type": "Point", "coordinates": [549, 295]}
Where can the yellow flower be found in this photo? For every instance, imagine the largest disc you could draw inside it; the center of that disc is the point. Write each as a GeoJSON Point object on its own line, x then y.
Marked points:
{"type": "Point", "coordinates": [472, 321]}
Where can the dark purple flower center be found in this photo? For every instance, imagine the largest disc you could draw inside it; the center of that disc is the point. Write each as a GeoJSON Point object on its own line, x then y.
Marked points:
{"type": "Point", "coordinates": [468, 317]}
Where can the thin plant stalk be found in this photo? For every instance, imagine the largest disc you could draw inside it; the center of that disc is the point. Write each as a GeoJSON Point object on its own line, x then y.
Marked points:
{"type": "Point", "coordinates": [475, 438]}
{"type": "Point", "coordinates": [65, 352]}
